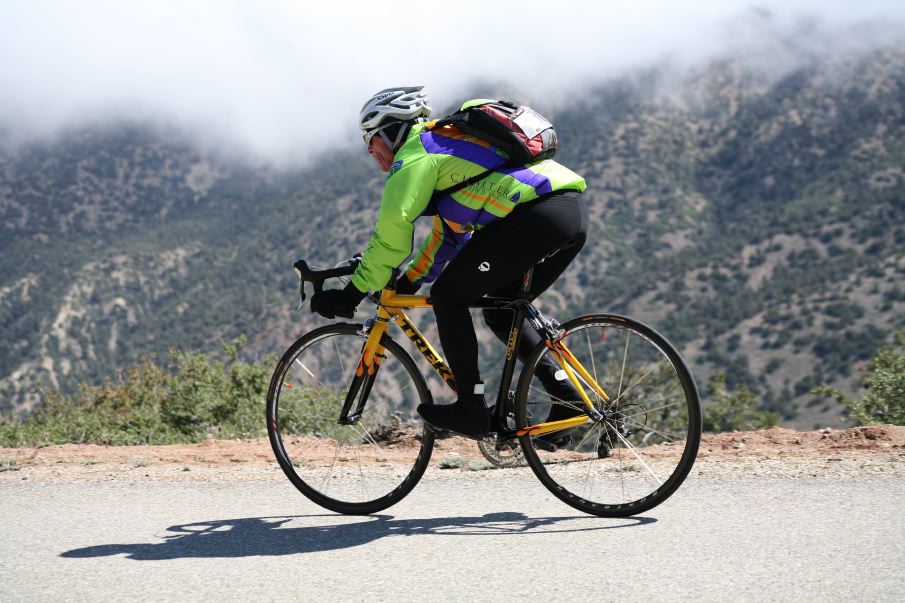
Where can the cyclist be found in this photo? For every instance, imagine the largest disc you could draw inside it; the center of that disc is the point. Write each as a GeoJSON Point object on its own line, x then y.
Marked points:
{"type": "Point", "coordinates": [484, 238]}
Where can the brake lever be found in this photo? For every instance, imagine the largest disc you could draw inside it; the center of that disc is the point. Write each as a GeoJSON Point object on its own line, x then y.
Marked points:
{"type": "Point", "coordinates": [301, 293]}
{"type": "Point", "coordinates": [317, 277]}
{"type": "Point", "coordinates": [301, 267]}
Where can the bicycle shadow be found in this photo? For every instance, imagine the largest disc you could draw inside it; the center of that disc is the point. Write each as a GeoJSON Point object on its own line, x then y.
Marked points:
{"type": "Point", "coordinates": [266, 536]}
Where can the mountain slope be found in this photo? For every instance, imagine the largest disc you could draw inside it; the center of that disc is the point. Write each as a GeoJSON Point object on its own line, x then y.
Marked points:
{"type": "Point", "coordinates": [756, 221]}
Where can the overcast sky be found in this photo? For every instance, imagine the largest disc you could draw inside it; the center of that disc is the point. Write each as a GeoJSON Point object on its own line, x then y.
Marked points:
{"type": "Point", "coordinates": [283, 79]}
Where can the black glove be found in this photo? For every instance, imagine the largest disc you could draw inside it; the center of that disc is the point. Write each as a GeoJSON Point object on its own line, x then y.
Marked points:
{"type": "Point", "coordinates": [405, 287]}
{"type": "Point", "coordinates": [337, 302]}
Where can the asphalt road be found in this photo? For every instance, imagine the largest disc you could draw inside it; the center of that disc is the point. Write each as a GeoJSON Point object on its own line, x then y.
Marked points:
{"type": "Point", "coordinates": [479, 536]}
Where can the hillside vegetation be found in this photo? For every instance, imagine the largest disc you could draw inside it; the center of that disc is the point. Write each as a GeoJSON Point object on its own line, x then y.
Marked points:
{"type": "Point", "coordinates": [186, 397]}
{"type": "Point", "coordinates": [757, 221]}
{"type": "Point", "coordinates": [193, 397]}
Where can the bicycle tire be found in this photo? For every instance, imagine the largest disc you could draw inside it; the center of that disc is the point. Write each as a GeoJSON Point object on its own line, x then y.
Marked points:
{"type": "Point", "coordinates": [659, 398]}
{"type": "Point", "coordinates": [319, 390]}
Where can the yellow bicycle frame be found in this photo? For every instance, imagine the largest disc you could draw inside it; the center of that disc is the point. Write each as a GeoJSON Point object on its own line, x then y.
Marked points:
{"type": "Point", "coordinates": [392, 307]}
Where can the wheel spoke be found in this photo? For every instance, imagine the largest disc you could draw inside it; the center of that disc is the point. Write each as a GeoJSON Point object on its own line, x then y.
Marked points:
{"type": "Point", "coordinates": [317, 381]}
{"type": "Point", "coordinates": [612, 445]}
{"type": "Point", "coordinates": [339, 356]}
{"type": "Point", "coordinates": [622, 372]}
{"type": "Point", "coordinates": [593, 364]}
{"type": "Point", "coordinates": [631, 449]}
{"type": "Point", "coordinates": [329, 475]}
{"type": "Point", "coordinates": [373, 442]}
{"type": "Point", "coordinates": [652, 410]}
{"type": "Point", "coordinates": [649, 405]}
{"type": "Point", "coordinates": [636, 383]}
{"type": "Point", "coordinates": [587, 436]}
{"type": "Point", "coordinates": [351, 468]}
{"type": "Point", "coordinates": [306, 369]}
{"type": "Point", "coordinates": [587, 477]}
{"type": "Point", "coordinates": [644, 427]}
{"type": "Point", "coordinates": [361, 472]}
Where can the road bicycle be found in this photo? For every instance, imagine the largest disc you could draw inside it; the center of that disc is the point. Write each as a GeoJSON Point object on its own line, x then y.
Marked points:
{"type": "Point", "coordinates": [342, 423]}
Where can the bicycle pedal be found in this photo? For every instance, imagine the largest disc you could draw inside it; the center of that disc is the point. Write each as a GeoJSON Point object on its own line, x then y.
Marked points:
{"type": "Point", "coordinates": [559, 441]}
{"type": "Point", "coordinates": [544, 445]}
{"type": "Point", "coordinates": [440, 433]}
{"type": "Point", "coordinates": [446, 433]}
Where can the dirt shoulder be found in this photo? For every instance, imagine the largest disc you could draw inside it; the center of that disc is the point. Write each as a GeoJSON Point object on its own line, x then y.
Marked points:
{"type": "Point", "coordinates": [871, 450]}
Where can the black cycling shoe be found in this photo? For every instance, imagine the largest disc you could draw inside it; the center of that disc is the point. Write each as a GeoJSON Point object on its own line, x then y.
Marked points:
{"type": "Point", "coordinates": [555, 440]}
{"type": "Point", "coordinates": [468, 415]}
{"type": "Point", "coordinates": [551, 442]}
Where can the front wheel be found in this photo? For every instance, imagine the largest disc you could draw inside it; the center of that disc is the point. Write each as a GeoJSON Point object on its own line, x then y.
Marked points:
{"type": "Point", "coordinates": [641, 451]}
{"type": "Point", "coordinates": [363, 466]}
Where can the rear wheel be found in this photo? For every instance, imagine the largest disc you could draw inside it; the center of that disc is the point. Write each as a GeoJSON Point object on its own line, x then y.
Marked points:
{"type": "Point", "coordinates": [362, 467]}
{"type": "Point", "coordinates": [641, 451]}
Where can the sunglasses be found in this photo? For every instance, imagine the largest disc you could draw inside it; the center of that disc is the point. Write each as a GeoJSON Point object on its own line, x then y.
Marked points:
{"type": "Point", "coordinates": [367, 136]}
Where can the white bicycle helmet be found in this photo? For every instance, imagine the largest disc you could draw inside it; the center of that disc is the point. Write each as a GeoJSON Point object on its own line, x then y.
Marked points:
{"type": "Point", "coordinates": [393, 106]}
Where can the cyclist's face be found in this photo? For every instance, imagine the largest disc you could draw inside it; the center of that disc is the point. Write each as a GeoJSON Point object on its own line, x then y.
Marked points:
{"type": "Point", "coordinates": [381, 153]}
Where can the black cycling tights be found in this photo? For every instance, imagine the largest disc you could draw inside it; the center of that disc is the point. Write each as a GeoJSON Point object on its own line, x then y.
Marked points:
{"type": "Point", "coordinates": [546, 234]}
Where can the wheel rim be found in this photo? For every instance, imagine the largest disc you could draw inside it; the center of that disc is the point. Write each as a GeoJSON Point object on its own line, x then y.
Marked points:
{"type": "Point", "coordinates": [357, 464]}
{"type": "Point", "coordinates": [643, 448]}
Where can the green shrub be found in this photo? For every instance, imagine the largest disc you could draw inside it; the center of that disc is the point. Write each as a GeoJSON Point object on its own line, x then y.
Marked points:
{"type": "Point", "coordinates": [734, 410]}
{"type": "Point", "coordinates": [192, 398]}
{"type": "Point", "coordinates": [884, 380]}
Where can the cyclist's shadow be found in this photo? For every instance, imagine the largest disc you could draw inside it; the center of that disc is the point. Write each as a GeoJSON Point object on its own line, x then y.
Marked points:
{"type": "Point", "coordinates": [263, 536]}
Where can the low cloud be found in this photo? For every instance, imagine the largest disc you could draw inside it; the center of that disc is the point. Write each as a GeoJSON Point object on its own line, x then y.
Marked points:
{"type": "Point", "coordinates": [282, 81]}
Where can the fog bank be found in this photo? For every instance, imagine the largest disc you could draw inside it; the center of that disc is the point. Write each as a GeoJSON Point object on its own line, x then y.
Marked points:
{"type": "Point", "coordinates": [284, 80]}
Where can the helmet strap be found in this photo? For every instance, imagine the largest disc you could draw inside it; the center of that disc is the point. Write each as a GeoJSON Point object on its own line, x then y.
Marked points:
{"type": "Point", "coordinates": [386, 139]}
{"type": "Point", "coordinates": [401, 135]}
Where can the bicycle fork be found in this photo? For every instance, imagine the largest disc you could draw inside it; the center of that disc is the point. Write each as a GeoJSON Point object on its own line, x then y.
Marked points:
{"type": "Point", "coordinates": [368, 364]}
{"type": "Point", "coordinates": [390, 308]}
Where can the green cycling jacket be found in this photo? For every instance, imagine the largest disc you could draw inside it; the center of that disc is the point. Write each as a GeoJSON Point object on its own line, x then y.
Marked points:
{"type": "Point", "coordinates": [434, 160]}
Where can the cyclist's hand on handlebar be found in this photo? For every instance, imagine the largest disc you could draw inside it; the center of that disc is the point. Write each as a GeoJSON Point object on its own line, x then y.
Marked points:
{"type": "Point", "coordinates": [337, 302]}
{"type": "Point", "coordinates": [405, 287]}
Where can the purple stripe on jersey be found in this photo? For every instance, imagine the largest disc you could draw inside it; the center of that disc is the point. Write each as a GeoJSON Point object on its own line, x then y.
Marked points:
{"type": "Point", "coordinates": [486, 218]}
{"type": "Point", "coordinates": [452, 210]}
{"type": "Point", "coordinates": [448, 249]}
{"type": "Point", "coordinates": [524, 175]}
{"type": "Point", "coordinates": [469, 151]}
